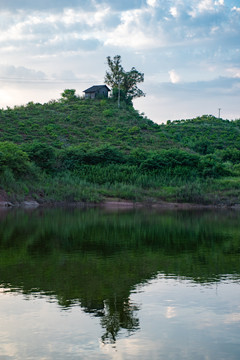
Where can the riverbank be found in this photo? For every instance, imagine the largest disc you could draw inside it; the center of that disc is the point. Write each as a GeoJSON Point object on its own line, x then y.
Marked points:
{"type": "Point", "coordinates": [112, 204]}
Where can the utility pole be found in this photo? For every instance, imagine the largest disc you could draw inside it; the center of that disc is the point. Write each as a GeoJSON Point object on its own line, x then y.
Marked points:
{"type": "Point", "coordinates": [219, 111]}
{"type": "Point", "coordinates": [119, 94]}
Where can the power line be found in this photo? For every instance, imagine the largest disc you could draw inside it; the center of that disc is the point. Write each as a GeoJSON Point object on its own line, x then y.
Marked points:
{"type": "Point", "coordinates": [49, 81]}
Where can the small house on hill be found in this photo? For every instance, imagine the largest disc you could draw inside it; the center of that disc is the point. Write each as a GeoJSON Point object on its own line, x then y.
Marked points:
{"type": "Point", "coordinates": [96, 91]}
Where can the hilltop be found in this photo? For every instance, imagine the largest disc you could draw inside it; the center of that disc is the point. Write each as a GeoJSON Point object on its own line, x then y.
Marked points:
{"type": "Point", "coordinates": [76, 150]}
{"type": "Point", "coordinates": [66, 123]}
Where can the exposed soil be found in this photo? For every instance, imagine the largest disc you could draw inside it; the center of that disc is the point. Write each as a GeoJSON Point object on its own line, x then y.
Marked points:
{"type": "Point", "coordinates": [110, 204]}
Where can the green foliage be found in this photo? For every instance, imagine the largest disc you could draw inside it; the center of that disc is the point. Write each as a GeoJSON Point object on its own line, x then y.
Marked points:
{"type": "Point", "coordinates": [43, 155]}
{"type": "Point", "coordinates": [62, 124]}
{"type": "Point", "coordinates": [13, 158]}
{"type": "Point", "coordinates": [75, 156]}
{"type": "Point", "coordinates": [108, 112]}
{"type": "Point", "coordinates": [211, 167]}
{"type": "Point", "coordinates": [137, 156]}
{"type": "Point", "coordinates": [60, 149]}
{"type": "Point", "coordinates": [192, 193]}
{"type": "Point", "coordinates": [170, 159]}
{"type": "Point", "coordinates": [124, 81]}
{"type": "Point", "coordinates": [204, 134]}
{"type": "Point", "coordinates": [230, 154]}
{"type": "Point", "coordinates": [103, 102]}
{"type": "Point", "coordinates": [134, 130]}
{"type": "Point", "coordinates": [69, 95]}
{"type": "Point", "coordinates": [68, 188]}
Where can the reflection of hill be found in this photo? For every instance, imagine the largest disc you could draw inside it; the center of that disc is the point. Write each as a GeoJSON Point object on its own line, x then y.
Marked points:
{"type": "Point", "coordinates": [95, 259]}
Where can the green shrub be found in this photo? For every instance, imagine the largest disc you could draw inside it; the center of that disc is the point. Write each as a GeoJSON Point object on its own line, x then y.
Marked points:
{"type": "Point", "coordinates": [104, 155]}
{"type": "Point", "coordinates": [43, 155]}
{"type": "Point", "coordinates": [75, 156]}
{"type": "Point", "coordinates": [192, 193]}
{"type": "Point", "coordinates": [170, 159]}
{"type": "Point", "coordinates": [231, 154]}
{"type": "Point", "coordinates": [72, 157]}
{"type": "Point", "coordinates": [107, 112]}
{"type": "Point", "coordinates": [13, 158]}
{"type": "Point", "coordinates": [210, 166]}
{"type": "Point", "coordinates": [134, 130]}
{"type": "Point", "coordinates": [103, 102]}
{"type": "Point", "coordinates": [137, 156]}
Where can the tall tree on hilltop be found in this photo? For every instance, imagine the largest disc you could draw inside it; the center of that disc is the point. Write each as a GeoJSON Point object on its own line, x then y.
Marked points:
{"type": "Point", "coordinates": [123, 82]}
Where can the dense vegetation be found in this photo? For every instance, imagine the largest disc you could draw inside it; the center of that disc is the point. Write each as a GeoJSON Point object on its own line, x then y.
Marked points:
{"type": "Point", "coordinates": [87, 150]}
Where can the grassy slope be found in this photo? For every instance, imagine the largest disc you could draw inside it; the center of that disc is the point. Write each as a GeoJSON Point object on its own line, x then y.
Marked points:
{"type": "Point", "coordinates": [83, 121]}
{"type": "Point", "coordinates": [95, 123]}
{"type": "Point", "coordinates": [204, 134]}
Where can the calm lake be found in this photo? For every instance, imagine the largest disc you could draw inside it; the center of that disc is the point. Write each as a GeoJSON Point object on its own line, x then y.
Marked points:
{"type": "Point", "coordinates": [138, 284]}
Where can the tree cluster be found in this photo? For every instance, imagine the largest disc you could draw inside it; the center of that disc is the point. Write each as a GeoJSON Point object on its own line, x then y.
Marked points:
{"type": "Point", "coordinates": [123, 83]}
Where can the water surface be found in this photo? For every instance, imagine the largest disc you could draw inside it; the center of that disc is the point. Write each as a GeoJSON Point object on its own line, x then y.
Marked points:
{"type": "Point", "coordinates": [93, 284]}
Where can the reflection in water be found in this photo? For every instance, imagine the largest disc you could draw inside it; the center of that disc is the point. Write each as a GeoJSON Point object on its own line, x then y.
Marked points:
{"type": "Point", "coordinates": [97, 259]}
{"type": "Point", "coordinates": [116, 316]}
{"type": "Point", "coordinates": [170, 312]}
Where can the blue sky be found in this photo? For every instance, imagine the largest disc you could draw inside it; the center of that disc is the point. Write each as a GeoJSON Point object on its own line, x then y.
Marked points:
{"type": "Point", "coordinates": [189, 51]}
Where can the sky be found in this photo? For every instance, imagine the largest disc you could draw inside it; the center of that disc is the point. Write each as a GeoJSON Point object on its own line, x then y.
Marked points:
{"type": "Point", "coordinates": [188, 50]}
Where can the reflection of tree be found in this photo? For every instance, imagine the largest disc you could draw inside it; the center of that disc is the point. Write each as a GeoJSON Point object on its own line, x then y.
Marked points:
{"type": "Point", "coordinates": [95, 259]}
{"type": "Point", "coordinates": [118, 314]}
{"type": "Point", "coordinates": [115, 313]}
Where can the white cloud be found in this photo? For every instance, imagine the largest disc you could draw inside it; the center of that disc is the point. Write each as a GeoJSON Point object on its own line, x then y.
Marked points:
{"type": "Point", "coordinates": [93, 19]}
{"type": "Point", "coordinates": [199, 38]}
{"type": "Point", "coordinates": [9, 72]}
{"type": "Point", "coordinates": [41, 30]}
{"type": "Point", "coordinates": [173, 11]}
{"type": "Point", "coordinates": [152, 3]}
{"type": "Point", "coordinates": [237, 9]}
{"type": "Point", "coordinates": [235, 72]}
{"type": "Point", "coordinates": [134, 31]}
{"type": "Point", "coordinates": [174, 77]}
{"type": "Point", "coordinates": [219, 2]}
{"type": "Point", "coordinates": [205, 5]}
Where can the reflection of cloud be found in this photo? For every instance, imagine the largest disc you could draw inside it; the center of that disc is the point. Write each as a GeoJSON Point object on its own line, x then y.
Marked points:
{"type": "Point", "coordinates": [8, 351]}
{"type": "Point", "coordinates": [171, 312]}
{"type": "Point", "coordinates": [133, 348]}
{"type": "Point", "coordinates": [232, 318]}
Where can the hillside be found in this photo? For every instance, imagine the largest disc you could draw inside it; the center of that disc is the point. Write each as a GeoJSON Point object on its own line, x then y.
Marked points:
{"type": "Point", "coordinates": [204, 134]}
{"type": "Point", "coordinates": [75, 150]}
{"type": "Point", "coordinates": [64, 123]}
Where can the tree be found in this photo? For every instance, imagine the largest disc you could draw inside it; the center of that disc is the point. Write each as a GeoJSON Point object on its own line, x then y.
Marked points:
{"type": "Point", "coordinates": [123, 82]}
{"type": "Point", "coordinates": [69, 95]}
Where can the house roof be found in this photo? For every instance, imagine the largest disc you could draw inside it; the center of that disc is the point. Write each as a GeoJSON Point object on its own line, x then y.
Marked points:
{"type": "Point", "coordinates": [95, 88]}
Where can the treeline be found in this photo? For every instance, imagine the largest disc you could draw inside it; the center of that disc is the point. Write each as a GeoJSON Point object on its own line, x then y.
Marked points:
{"type": "Point", "coordinates": [32, 157]}
{"type": "Point", "coordinates": [85, 173]}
